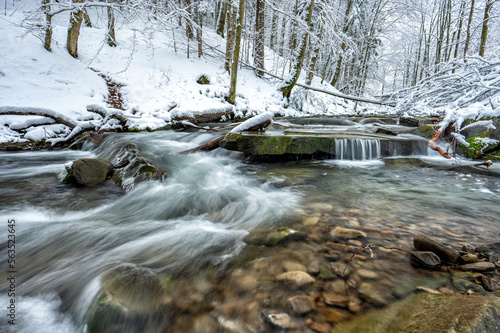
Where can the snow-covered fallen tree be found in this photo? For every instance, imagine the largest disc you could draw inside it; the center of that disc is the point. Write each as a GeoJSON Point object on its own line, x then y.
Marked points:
{"type": "Point", "coordinates": [110, 119]}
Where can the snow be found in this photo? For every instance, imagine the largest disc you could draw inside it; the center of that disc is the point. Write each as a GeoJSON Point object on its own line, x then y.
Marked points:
{"type": "Point", "coordinates": [159, 80]}
{"type": "Point", "coordinates": [253, 122]}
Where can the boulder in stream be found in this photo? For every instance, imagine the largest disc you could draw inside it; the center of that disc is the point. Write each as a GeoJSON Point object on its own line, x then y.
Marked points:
{"type": "Point", "coordinates": [89, 171]}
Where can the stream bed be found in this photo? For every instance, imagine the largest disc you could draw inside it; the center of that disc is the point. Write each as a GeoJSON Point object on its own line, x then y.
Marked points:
{"type": "Point", "coordinates": [193, 231]}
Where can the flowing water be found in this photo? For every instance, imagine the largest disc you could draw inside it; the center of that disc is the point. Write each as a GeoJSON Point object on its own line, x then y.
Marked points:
{"type": "Point", "coordinates": [195, 220]}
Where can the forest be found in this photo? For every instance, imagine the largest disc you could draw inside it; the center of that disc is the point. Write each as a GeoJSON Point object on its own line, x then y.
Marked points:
{"type": "Point", "coordinates": [316, 166]}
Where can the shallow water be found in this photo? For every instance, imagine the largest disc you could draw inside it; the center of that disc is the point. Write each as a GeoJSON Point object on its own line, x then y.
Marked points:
{"type": "Point", "coordinates": [196, 219]}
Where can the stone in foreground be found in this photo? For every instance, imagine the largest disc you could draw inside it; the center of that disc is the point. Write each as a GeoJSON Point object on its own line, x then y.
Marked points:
{"type": "Point", "coordinates": [427, 313]}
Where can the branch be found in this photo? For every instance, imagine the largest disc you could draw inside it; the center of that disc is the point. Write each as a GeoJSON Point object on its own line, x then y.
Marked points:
{"type": "Point", "coordinates": [336, 94]}
{"type": "Point", "coordinates": [33, 111]}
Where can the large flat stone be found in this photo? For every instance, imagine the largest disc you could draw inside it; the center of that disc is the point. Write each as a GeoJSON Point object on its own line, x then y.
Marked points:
{"type": "Point", "coordinates": [428, 313]}
{"type": "Point", "coordinates": [307, 144]}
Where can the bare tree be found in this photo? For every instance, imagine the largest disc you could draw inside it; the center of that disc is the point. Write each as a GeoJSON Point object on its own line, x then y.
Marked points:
{"type": "Point", "coordinates": [259, 38]}
{"type": "Point", "coordinates": [75, 22]}
{"type": "Point", "coordinates": [236, 52]}
{"type": "Point", "coordinates": [291, 80]}
{"type": "Point", "coordinates": [484, 32]}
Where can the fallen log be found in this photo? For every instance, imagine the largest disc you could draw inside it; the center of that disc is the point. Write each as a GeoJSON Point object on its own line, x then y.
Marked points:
{"type": "Point", "coordinates": [257, 123]}
{"type": "Point", "coordinates": [33, 111]}
{"type": "Point", "coordinates": [209, 146]}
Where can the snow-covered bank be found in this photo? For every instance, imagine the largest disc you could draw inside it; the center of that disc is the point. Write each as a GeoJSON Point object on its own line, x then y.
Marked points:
{"type": "Point", "coordinates": [159, 80]}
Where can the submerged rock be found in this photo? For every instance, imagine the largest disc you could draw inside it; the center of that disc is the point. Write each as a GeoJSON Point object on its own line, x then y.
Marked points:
{"type": "Point", "coordinates": [279, 320]}
{"type": "Point", "coordinates": [431, 313]}
{"type": "Point", "coordinates": [345, 233]}
{"type": "Point", "coordinates": [135, 288]}
{"type": "Point", "coordinates": [295, 278]}
{"type": "Point", "coordinates": [300, 305]}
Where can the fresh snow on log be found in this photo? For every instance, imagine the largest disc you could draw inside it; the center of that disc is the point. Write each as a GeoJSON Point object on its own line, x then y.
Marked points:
{"type": "Point", "coordinates": [252, 122]}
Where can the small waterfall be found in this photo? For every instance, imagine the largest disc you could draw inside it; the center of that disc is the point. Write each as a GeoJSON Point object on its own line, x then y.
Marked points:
{"type": "Point", "coordinates": [357, 149]}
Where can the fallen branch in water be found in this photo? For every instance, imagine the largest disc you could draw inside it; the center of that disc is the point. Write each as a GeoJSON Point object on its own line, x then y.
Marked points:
{"type": "Point", "coordinates": [436, 148]}
{"type": "Point", "coordinates": [210, 145]}
{"type": "Point", "coordinates": [185, 123]}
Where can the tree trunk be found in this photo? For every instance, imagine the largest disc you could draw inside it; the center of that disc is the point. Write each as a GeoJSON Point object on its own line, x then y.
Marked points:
{"type": "Point", "coordinates": [222, 19]}
{"type": "Point", "coordinates": [459, 30]}
{"type": "Point", "coordinates": [484, 32]}
{"type": "Point", "coordinates": [290, 82]}
{"type": "Point", "coordinates": [86, 18]}
{"type": "Point", "coordinates": [274, 30]}
{"type": "Point", "coordinates": [236, 52]}
{"type": "Point", "coordinates": [231, 17]}
{"type": "Point", "coordinates": [259, 38]}
{"type": "Point", "coordinates": [314, 59]}
{"type": "Point", "coordinates": [48, 26]}
{"type": "Point", "coordinates": [469, 24]}
{"type": "Point", "coordinates": [75, 22]}
{"type": "Point", "coordinates": [199, 31]}
{"type": "Point", "coordinates": [189, 26]}
{"type": "Point", "coordinates": [111, 27]}
{"type": "Point", "coordinates": [343, 46]}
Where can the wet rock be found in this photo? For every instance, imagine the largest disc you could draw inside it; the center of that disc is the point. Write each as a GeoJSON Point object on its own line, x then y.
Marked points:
{"type": "Point", "coordinates": [319, 327]}
{"type": "Point", "coordinates": [425, 259]}
{"type": "Point", "coordinates": [135, 288]}
{"type": "Point", "coordinates": [430, 313]}
{"type": "Point", "coordinates": [89, 171]}
{"type": "Point", "coordinates": [340, 268]}
{"type": "Point", "coordinates": [205, 324]}
{"type": "Point", "coordinates": [321, 206]}
{"type": "Point", "coordinates": [406, 288]}
{"type": "Point", "coordinates": [311, 220]}
{"type": "Point", "coordinates": [367, 274]}
{"type": "Point", "coordinates": [382, 130]}
{"type": "Point", "coordinates": [337, 286]}
{"type": "Point", "coordinates": [423, 243]}
{"type": "Point", "coordinates": [355, 243]}
{"type": "Point", "coordinates": [131, 167]}
{"type": "Point", "coordinates": [325, 273]}
{"type": "Point", "coordinates": [313, 267]}
{"type": "Point", "coordinates": [469, 248]}
{"type": "Point", "coordinates": [465, 281]}
{"type": "Point", "coordinates": [345, 233]}
{"type": "Point", "coordinates": [470, 258]}
{"type": "Point", "coordinates": [342, 247]}
{"type": "Point", "coordinates": [300, 305]}
{"type": "Point", "coordinates": [487, 283]}
{"type": "Point", "coordinates": [335, 300]}
{"type": "Point", "coordinates": [374, 294]}
{"type": "Point", "coordinates": [409, 121]}
{"type": "Point", "coordinates": [483, 266]}
{"type": "Point", "coordinates": [333, 315]}
{"type": "Point", "coordinates": [283, 236]}
{"type": "Point", "coordinates": [295, 278]}
{"type": "Point", "coordinates": [290, 266]}
{"type": "Point", "coordinates": [279, 320]}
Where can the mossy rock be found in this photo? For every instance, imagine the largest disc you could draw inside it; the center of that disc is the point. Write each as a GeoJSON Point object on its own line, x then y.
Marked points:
{"type": "Point", "coordinates": [427, 313]}
{"type": "Point", "coordinates": [203, 79]}
{"type": "Point", "coordinates": [477, 146]}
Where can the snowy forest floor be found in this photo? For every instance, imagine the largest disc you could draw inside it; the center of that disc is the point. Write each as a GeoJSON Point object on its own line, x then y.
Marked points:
{"type": "Point", "coordinates": [158, 81]}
